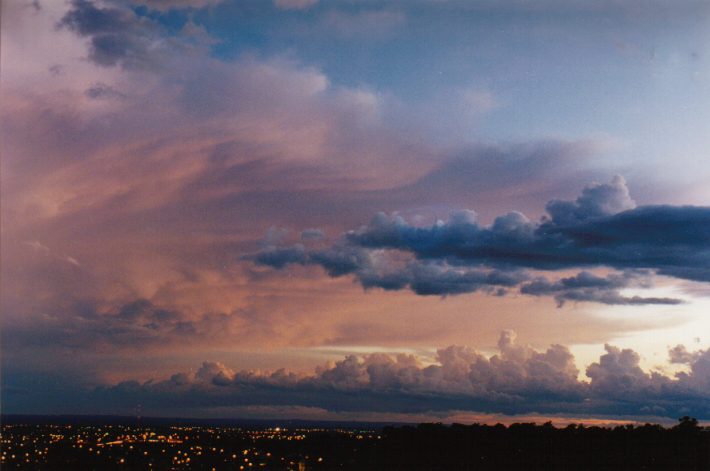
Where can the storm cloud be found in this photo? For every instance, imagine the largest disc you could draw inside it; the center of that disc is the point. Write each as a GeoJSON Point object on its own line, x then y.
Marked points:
{"type": "Point", "coordinates": [149, 144]}
{"type": "Point", "coordinates": [602, 228]}
{"type": "Point", "coordinates": [516, 380]}
{"type": "Point", "coordinates": [586, 286]}
{"type": "Point", "coordinates": [117, 36]}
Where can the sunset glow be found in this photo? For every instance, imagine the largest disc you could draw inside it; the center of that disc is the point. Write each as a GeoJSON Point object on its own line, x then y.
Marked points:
{"type": "Point", "coordinates": [356, 210]}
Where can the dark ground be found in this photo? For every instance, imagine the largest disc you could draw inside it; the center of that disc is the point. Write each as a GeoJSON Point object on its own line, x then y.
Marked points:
{"type": "Point", "coordinates": [33, 442]}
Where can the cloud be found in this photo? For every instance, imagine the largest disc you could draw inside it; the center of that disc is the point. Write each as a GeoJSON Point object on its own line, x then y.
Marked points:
{"type": "Point", "coordinates": [374, 271]}
{"type": "Point", "coordinates": [120, 37]}
{"type": "Point", "coordinates": [167, 5]}
{"type": "Point", "coordinates": [698, 375]}
{"type": "Point", "coordinates": [111, 31]}
{"type": "Point", "coordinates": [208, 149]}
{"type": "Point", "coordinates": [312, 234]}
{"type": "Point", "coordinates": [101, 91]}
{"type": "Point", "coordinates": [224, 151]}
{"type": "Point", "coordinates": [213, 372]}
{"type": "Point", "coordinates": [618, 375]}
{"type": "Point", "coordinates": [586, 286]}
{"type": "Point", "coordinates": [491, 176]}
{"type": "Point", "coordinates": [140, 176]}
{"type": "Point", "coordinates": [601, 228]}
{"type": "Point", "coordinates": [364, 24]}
{"type": "Point", "coordinates": [596, 200]}
{"type": "Point", "coordinates": [83, 325]}
{"type": "Point", "coordinates": [280, 257]}
{"type": "Point", "coordinates": [581, 235]}
{"type": "Point", "coordinates": [294, 4]}
{"type": "Point", "coordinates": [516, 380]}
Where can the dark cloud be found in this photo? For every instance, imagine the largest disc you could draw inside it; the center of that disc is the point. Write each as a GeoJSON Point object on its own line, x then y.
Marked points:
{"type": "Point", "coordinates": [95, 326]}
{"type": "Point", "coordinates": [437, 279]}
{"type": "Point", "coordinates": [516, 380]}
{"type": "Point", "coordinates": [588, 232]}
{"type": "Point", "coordinates": [117, 35]}
{"type": "Point", "coordinates": [374, 270]}
{"type": "Point", "coordinates": [280, 257]}
{"type": "Point", "coordinates": [586, 286]}
{"type": "Point", "coordinates": [601, 228]}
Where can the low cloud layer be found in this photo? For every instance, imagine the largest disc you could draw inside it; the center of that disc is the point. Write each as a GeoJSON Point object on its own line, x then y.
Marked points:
{"type": "Point", "coordinates": [516, 380]}
{"type": "Point", "coordinates": [602, 228]}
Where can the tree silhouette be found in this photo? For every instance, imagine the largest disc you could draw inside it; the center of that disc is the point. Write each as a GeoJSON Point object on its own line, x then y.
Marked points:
{"type": "Point", "coordinates": [688, 424]}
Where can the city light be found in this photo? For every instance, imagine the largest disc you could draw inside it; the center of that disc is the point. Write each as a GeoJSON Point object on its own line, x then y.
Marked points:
{"type": "Point", "coordinates": [166, 447]}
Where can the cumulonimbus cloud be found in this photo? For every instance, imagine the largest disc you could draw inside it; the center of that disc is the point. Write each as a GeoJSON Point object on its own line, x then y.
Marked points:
{"type": "Point", "coordinates": [516, 380]}
{"type": "Point", "coordinates": [603, 227]}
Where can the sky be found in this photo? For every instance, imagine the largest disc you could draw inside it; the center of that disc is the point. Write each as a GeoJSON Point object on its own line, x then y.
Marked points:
{"type": "Point", "coordinates": [431, 210]}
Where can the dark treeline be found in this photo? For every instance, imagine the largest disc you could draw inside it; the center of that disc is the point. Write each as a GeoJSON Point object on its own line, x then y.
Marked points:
{"type": "Point", "coordinates": [530, 446]}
